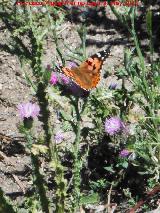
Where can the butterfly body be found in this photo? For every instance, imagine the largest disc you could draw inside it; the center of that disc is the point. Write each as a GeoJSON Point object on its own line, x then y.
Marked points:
{"type": "Point", "coordinates": [87, 75]}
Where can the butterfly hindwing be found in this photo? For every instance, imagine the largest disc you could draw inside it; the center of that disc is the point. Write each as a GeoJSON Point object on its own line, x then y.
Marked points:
{"type": "Point", "coordinates": [87, 75]}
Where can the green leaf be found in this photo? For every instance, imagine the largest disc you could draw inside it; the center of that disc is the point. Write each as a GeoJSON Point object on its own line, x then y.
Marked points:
{"type": "Point", "coordinates": [149, 22]}
{"type": "Point", "coordinates": [89, 199]}
{"type": "Point", "coordinates": [37, 149]}
{"type": "Point", "coordinates": [66, 116]}
{"type": "Point", "coordinates": [55, 96]}
{"type": "Point", "coordinates": [125, 164]}
{"type": "Point", "coordinates": [109, 169]}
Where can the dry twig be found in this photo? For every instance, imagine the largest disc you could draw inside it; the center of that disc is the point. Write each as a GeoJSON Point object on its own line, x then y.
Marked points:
{"type": "Point", "coordinates": [20, 184]}
{"type": "Point", "coordinates": [141, 202]}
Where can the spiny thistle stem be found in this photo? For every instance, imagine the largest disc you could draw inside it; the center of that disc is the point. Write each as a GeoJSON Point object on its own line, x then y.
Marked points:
{"type": "Point", "coordinates": [37, 176]}
{"type": "Point", "coordinates": [61, 182]}
{"type": "Point", "coordinates": [77, 160]}
{"type": "Point", "coordinates": [39, 182]}
{"type": "Point", "coordinates": [43, 103]}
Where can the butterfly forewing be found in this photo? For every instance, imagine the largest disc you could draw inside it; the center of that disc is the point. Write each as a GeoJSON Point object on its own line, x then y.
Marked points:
{"type": "Point", "coordinates": [83, 76]}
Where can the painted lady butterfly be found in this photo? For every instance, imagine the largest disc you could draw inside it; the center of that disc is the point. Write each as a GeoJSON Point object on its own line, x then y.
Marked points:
{"type": "Point", "coordinates": [87, 74]}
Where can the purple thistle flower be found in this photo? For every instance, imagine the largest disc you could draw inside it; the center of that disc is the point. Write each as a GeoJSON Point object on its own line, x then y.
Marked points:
{"type": "Point", "coordinates": [28, 110]}
{"type": "Point", "coordinates": [53, 79]}
{"type": "Point", "coordinates": [58, 137]}
{"type": "Point", "coordinates": [113, 125]}
{"type": "Point", "coordinates": [124, 153]}
{"type": "Point", "coordinates": [112, 86]}
{"type": "Point", "coordinates": [64, 79]}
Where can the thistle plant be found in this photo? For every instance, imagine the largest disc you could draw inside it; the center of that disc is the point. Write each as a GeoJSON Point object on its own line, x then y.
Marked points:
{"type": "Point", "coordinates": [28, 112]}
{"type": "Point", "coordinates": [78, 107]}
{"type": "Point", "coordinates": [146, 96]}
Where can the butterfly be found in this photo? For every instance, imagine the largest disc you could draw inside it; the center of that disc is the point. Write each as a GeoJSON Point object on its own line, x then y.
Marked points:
{"type": "Point", "coordinates": [87, 74]}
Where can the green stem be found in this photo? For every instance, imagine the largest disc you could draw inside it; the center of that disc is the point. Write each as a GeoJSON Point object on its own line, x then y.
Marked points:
{"type": "Point", "coordinates": [84, 40]}
{"type": "Point", "coordinates": [134, 35]}
{"type": "Point", "coordinates": [37, 176]}
{"type": "Point", "coordinates": [132, 32]}
{"type": "Point", "coordinates": [77, 162]}
{"type": "Point", "coordinates": [45, 113]}
{"type": "Point", "coordinates": [60, 189]}
{"type": "Point", "coordinates": [39, 182]}
{"type": "Point", "coordinates": [61, 183]}
{"type": "Point", "coordinates": [77, 168]}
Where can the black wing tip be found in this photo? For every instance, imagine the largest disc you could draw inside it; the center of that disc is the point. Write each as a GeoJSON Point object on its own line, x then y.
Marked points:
{"type": "Point", "coordinates": [106, 51]}
{"type": "Point", "coordinates": [103, 53]}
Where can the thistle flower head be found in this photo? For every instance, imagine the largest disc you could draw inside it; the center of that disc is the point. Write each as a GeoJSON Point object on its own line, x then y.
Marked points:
{"type": "Point", "coordinates": [58, 137]}
{"type": "Point", "coordinates": [64, 79]}
{"type": "Point", "coordinates": [124, 153]}
{"type": "Point", "coordinates": [113, 125]}
{"type": "Point", "coordinates": [112, 86]}
{"type": "Point", "coordinates": [53, 79]}
{"type": "Point", "coordinates": [28, 110]}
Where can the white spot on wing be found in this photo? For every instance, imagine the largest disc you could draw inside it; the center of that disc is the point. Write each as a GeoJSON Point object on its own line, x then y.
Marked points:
{"type": "Point", "coordinates": [99, 55]}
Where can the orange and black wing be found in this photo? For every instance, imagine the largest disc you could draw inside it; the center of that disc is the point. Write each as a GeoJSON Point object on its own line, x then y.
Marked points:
{"type": "Point", "coordinates": [87, 75]}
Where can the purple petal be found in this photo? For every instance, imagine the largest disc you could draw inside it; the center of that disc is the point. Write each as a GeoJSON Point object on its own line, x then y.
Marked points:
{"type": "Point", "coordinates": [124, 153]}
{"type": "Point", "coordinates": [53, 79]}
{"type": "Point", "coordinates": [27, 110]}
{"type": "Point", "coordinates": [113, 125]}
